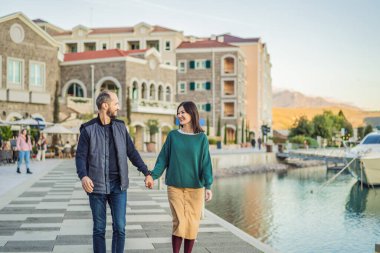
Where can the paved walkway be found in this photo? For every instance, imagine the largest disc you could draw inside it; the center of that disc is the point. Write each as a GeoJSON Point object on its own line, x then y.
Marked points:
{"type": "Point", "coordinates": [49, 212]}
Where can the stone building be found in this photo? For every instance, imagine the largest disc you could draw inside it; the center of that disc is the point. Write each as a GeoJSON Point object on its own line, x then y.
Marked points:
{"type": "Point", "coordinates": [29, 69]}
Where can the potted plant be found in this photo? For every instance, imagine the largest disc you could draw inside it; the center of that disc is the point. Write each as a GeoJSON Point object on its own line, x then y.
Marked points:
{"type": "Point", "coordinates": [152, 125]}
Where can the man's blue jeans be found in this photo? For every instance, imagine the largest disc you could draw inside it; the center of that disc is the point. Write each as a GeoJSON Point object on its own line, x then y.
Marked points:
{"type": "Point", "coordinates": [117, 201]}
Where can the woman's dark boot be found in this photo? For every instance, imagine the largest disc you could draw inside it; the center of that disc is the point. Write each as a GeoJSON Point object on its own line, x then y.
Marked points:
{"type": "Point", "coordinates": [189, 245]}
{"type": "Point", "coordinates": [28, 171]}
{"type": "Point", "coordinates": [176, 243]}
{"type": "Point", "coordinates": [18, 170]}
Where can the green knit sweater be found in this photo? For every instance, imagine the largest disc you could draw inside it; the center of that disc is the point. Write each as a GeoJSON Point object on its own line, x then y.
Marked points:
{"type": "Point", "coordinates": [187, 160]}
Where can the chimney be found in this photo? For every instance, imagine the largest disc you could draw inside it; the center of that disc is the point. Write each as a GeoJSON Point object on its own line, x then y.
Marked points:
{"type": "Point", "coordinates": [220, 38]}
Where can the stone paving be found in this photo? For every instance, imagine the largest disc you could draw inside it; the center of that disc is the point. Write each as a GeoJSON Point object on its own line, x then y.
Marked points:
{"type": "Point", "coordinates": [49, 212]}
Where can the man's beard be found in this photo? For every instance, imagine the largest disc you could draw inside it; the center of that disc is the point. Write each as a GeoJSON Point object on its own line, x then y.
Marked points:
{"type": "Point", "coordinates": [111, 115]}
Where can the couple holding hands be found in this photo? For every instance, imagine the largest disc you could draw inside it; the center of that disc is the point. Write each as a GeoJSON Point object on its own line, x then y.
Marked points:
{"type": "Point", "coordinates": [104, 148]}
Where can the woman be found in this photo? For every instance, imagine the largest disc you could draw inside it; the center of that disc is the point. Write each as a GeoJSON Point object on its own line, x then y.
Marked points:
{"type": "Point", "coordinates": [42, 146]}
{"type": "Point", "coordinates": [186, 157]}
{"type": "Point", "coordinates": [24, 146]}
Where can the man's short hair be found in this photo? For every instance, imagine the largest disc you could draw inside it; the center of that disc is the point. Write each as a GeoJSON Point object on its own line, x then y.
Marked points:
{"type": "Point", "coordinates": [103, 97]}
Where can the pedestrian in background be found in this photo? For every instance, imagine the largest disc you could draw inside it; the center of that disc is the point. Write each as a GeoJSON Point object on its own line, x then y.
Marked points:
{"type": "Point", "coordinates": [24, 146]}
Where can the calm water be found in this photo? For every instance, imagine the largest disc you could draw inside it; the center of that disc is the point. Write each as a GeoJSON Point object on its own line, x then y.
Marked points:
{"type": "Point", "coordinates": [279, 209]}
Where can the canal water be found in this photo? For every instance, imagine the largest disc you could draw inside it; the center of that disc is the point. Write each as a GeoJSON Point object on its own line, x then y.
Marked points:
{"type": "Point", "coordinates": [279, 209]}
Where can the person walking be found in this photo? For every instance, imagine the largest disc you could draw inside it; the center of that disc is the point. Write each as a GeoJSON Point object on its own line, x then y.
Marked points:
{"type": "Point", "coordinates": [24, 146]}
{"type": "Point", "coordinates": [42, 146]}
{"type": "Point", "coordinates": [102, 165]}
{"type": "Point", "coordinates": [186, 158]}
{"type": "Point", "coordinates": [259, 141]}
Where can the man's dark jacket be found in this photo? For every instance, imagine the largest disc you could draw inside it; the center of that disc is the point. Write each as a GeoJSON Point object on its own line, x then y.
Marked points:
{"type": "Point", "coordinates": [92, 155]}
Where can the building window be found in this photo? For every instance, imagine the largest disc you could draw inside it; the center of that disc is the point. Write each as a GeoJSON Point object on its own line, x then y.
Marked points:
{"type": "Point", "coordinates": [153, 43]}
{"type": "Point", "coordinates": [133, 45]}
{"type": "Point", "coordinates": [182, 66]}
{"type": "Point", "coordinates": [168, 63]}
{"type": "Point", "coordinates": [104, 46]}
{"type": "Point", "coordinates": [37, 74]}
{"type": "Point", "coordinates": [200, 85]}
{"type": "Point", "coordinates": [168, 94]}
{"type": "Point", "coordinates": [200, 64]}
{"type": "Point", "coordinates": [228, 87]}
{"type": "Point", "coordinates": [229, 65]}
{"type": "Point", "coordinates": [182, 88]}
{"type": "Point", "coordinates": [168, 45]}
{"type": "Point", "coordinates": [204, 107]}
{"type": "Point", "coordinates": [229, 109]}
{"type": "Point", "coordinates": [72, 47]}
{"type": "Point", "coordinates": [89, 46]}
{"type": "Point", "coordinates": [118, 45]}
{"type": "Point", "coordinates": [75, 90]}
{"type": "Point", "coordinates": [15, 71]}
{"type": "Point", "coordinates": [152, 92]}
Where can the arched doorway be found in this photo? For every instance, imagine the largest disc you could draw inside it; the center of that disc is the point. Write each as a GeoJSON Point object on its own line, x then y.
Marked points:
{"type": "Point", "coordinates": [230, 134]}
{"type": "Point", "coordinates": [112, 84]}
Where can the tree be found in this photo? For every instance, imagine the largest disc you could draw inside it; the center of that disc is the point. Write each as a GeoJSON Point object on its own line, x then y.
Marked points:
{"type": "Point", "coordinates": [236, 134]}
{"type": "Point", "coordinates": [360, 133]}
{"type": "Point", "coordinates": [302, 126]}
{"type": "Point", "coordinates": [6, 133]}
{"type": "Point", "coordinates": [225, 134]}
{"type": "Point", "coordinates": [128, 108]}
{"type": "Point", "coordinates": [218, 132]}
{"type": "Point", "coordinates": [55, 138]}
{"type": "Point", "coordinates": [208, 126]}
{"type": "Point", "coordinates": [242, 131]}
{"type": "Point", "coordinates": [368, 129]}
{"type": "Point", "coordinates": [323, 126]}
{"type": "Point", "coordinates": [152, 125]}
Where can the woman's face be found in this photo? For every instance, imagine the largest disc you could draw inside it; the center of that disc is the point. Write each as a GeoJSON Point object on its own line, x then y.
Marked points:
{"type": "Point", "coordinates": [23, 132]}
{"type": "Point", "coordinates": [183, 117]}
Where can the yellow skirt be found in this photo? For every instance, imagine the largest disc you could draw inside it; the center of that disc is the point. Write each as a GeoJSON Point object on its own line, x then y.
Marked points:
{"type": "Point", "coordinates": [186, 206]}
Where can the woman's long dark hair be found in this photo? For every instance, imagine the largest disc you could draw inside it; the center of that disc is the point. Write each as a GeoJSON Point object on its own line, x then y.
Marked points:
{"type": "Point", "coordinates": [26, 136]}
{"type": "Point", "coordinates": [191, 109]}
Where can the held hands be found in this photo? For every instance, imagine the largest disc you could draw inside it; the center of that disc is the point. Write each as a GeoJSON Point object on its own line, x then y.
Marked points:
{"type": "Point", "coordinates": [149, 182]}
{"type": "Point", "coordinates": [208, 195]}
{"type": "Point", "coordinates": [87, 184]}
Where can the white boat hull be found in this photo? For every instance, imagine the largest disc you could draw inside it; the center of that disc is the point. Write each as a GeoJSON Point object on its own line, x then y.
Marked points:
{"type": "Point", "coordinates": [366, 170]}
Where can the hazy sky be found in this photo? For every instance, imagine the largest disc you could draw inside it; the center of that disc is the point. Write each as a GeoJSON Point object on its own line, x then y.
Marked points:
{"type": "Point", "coordinates": [328, 48]}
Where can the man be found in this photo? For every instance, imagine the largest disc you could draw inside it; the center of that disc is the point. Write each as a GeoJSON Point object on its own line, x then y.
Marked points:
{"type": "Point", "coordinates": [101, 159]}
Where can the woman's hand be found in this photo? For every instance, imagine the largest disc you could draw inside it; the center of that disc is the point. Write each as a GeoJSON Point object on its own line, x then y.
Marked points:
{"type": "Point", "coordinates": [208, 195]}
{"type": "Point", "coordinates": [149, 182]}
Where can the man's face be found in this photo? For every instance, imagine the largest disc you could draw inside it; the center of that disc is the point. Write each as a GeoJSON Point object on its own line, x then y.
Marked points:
{"type": "Point", "coordinates": [113, 106]}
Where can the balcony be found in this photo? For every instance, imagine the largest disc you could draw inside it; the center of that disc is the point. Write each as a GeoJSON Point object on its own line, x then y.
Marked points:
{"type": "Point", "coordinates": [157, 107]}
{"type": "Point", "coordinates": [80, 105]}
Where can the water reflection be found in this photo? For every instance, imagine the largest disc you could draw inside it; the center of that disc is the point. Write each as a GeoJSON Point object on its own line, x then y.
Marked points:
{"type": "Point", "coordinates": [363, 200]}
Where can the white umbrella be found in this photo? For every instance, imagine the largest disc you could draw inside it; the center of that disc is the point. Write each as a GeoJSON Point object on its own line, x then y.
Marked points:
{"type": "Point", "coordinates": [29, 122]}
{"type": "Point", "coordinates": [57, 129]}
{"type": "Point", "coordinates": [4, 123]}
{"type": "Point", "coordinates": [75, 130]}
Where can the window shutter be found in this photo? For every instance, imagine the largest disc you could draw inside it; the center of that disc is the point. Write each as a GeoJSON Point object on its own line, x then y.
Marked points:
{"type": "Point", "coordinates": [192, 64]}
{"type": "Point", "coordinates": [192, 86]}
{"type": "Point", "coordinates": [208, 107]}
{"type": "Point", "coordinates": [208, 85]}
{"type": "Point", "coordinates": [208, 64]}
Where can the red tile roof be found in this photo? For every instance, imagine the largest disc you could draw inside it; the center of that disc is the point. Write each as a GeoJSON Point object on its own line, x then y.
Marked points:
{"type": "Point", "coordinates": [107, 30]}
{"type": "Point", "coordinates": [204, 44]}
{"type": "Point", "coordinates": [90, 55]}
{"type": "Point", "coordinates": [233, 39]}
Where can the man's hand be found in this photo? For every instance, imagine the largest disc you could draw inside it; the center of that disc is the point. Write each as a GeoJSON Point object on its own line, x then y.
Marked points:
{"type": "Point", "coordinates": [149, 182]}
{"type": "Point", "coordinates": [208, 195]}
{"type": "Point", "coordinates": [87, 184]}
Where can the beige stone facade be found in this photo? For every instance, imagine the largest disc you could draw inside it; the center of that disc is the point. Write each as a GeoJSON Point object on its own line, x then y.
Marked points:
{"type": "Point", "coordinates": [29, 69]}
{"type": "Point", "coordinates": [139, 36]}
{"type": "Point", "coordinates": [149, 84]}
{"type": "Point", "coordinates": [225, 96]}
